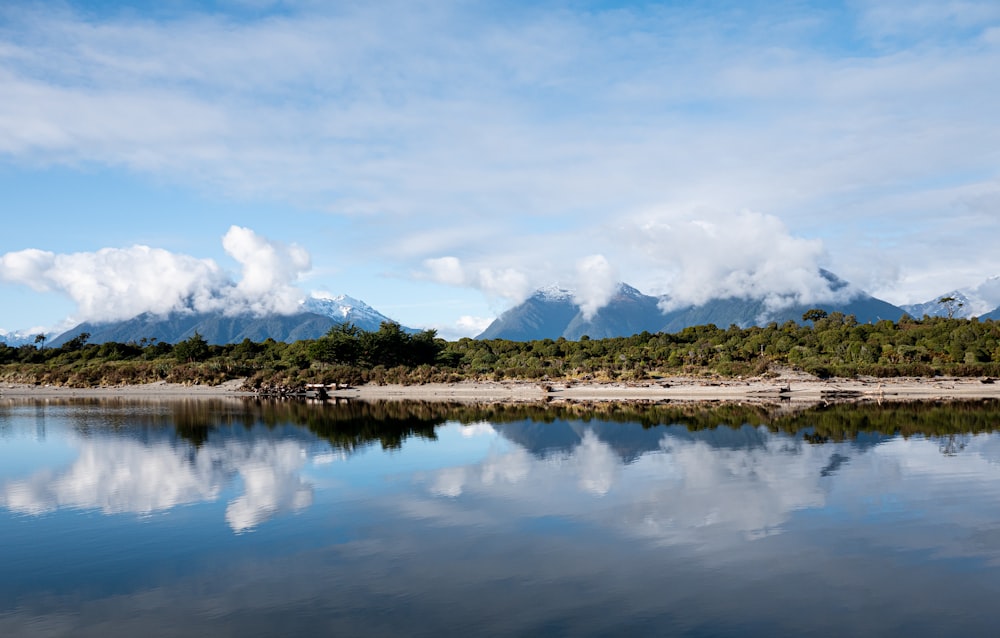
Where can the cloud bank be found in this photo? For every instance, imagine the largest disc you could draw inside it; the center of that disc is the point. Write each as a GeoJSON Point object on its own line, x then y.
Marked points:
{"type": "Point", "coordinates": [120, 283]}
{"type": "Point", "coordinates": [688, 257]}
{"type": "Point", "coordinates": [706, 255]}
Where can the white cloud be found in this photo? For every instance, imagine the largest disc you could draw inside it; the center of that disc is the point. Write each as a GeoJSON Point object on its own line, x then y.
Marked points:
{"type": "Point", "coordinates": [707, 255]}
{"type": "Point", "coordinates": [471, 326]}
{"type": "Point", "coordinates": [596, 283]}
{"type": "Point", "coordinates": [269, 268]}
{"type": "Point", "coordinates": [446, 270]}
{"type": "Point", "coordinates": [512, 284]}
{"type": "Point", "coordinates": [120, 283]}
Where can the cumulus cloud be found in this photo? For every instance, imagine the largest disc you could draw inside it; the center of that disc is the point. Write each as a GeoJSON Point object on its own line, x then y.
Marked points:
{"type": "Point", "coordinates": [120, 283]}
{"type": "Point", "coordinates": [511, 284]}
{"type": "Point", "coordinates": [269, 269]}
{"type": "Point", "coordinates": [688, 256]}
{"type": "Point", "coordinates": [706, 255]}
{"type": "Point", "coordinates": [596, 282]}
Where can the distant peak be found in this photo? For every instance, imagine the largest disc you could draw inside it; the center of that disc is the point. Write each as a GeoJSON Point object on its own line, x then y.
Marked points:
{"type": "Point", "coordinates": [628, 291]}
{"type": "Point", "coordinates": [325, 296]}
{"type": "Point", "coordinates": [554, 292]}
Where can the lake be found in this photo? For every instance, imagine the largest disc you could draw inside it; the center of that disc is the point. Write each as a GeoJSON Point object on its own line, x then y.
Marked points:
{"type": "Point", "coordinates": [245, 518]}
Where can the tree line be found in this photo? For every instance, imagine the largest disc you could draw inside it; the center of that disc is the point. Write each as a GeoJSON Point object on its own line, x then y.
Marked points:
{"type": "Point", "coordinates": [824, 344]}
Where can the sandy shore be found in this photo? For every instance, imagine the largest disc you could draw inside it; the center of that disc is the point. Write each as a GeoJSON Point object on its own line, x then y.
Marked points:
{"type": "Point", "coordinates": [787, 387]}
{"type": "Point", "coordinates": [143, 391]}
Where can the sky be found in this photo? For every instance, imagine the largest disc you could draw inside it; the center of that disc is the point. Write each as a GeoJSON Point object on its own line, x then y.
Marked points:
{"type": "Point", "coordinates": [442, 159]}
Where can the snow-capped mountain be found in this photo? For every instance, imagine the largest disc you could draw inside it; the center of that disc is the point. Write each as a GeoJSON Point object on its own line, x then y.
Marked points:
{"type": "Point", "coordinates": [552, 313]}
{"type": "Point", "coordinates": [317, 315]}
{"type": "Point", "coordinates": [345, 309]}
{"type": "Point", "coordinates": [545, 314]}
{"type": "Point", "coordinates": [974, 301]}
{"type": "Point", "coordinates": [15, 338]}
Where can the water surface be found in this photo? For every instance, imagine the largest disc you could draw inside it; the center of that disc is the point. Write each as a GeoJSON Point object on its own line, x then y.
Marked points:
{"type": "Point", "coordinates": [239, 518]}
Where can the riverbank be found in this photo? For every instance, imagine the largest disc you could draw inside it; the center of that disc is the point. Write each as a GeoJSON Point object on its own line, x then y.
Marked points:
{"type": "Point", "coordinates": [790, 386]}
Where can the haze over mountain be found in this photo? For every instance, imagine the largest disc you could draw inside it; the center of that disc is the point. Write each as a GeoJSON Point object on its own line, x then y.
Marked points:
{"type": "Point", "coordinates": [548, 314]}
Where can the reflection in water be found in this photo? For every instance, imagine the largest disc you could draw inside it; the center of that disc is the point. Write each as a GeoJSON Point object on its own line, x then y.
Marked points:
{"type": "Point", "coordinates": [142, 471]}
{"type": "Point", "coordinates": [683, 491]}
{"type": "Point", "coordinates": [433, 519]}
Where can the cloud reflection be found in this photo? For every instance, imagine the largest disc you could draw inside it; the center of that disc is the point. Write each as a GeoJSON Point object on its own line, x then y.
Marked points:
{"type": "Point", "coordinates": [693, 492]}
{"type": "Point", "coordinates": [685, 492]}
{"type": "Point", "coordinates": [117, 476]}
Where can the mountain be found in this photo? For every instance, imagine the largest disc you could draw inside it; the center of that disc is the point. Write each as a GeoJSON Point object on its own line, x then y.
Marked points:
{"type": "Point", "coordinates": [214, 328]}
{"type": "Point", "coordinates": [546, 313]}
{"type": "Point", "coordinates": [551, 313]}
{"type": "Point", "coordinates": [317, 316]}
{"type": "Point", "coordinates": [344, 309]}
{"type": "Point", "coordinates": [974, 301]}
{"type": "Point", "coordinates": [549, 316]}
{"type": "Point", "coordinates": [749, 312]}
{"type": "Point", "coordinates": [14, 339]}
{"type": "Point", "coordinates": [628, 312]}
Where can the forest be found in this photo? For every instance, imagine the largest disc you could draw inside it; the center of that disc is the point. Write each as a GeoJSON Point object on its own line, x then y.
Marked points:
{"type": "Point", "coordinates": [824, 345]}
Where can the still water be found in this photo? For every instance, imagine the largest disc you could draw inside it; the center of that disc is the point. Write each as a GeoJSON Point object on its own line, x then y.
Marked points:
{"type": "Point", "coordinates": [247, 519]}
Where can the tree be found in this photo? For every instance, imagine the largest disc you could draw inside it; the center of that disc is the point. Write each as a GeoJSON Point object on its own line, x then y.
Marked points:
{"type": "Point", "coordinates": [814, 315]}
{"type": "Point", "coordinates": [193, 349]}
{"type": "Point", "coordinates": [76, 342]}
{"type": "Point", "coordinates": [951, 304]}
{"type": "Point", "coordinates": [40, 339]}
{"type": "Point", "coordinates": [340, 345]}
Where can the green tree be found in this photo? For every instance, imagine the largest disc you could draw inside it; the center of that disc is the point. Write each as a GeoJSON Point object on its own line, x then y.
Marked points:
{"type": "Point", "coordinates": [340, 345]}
{"type": "Point", "coordinates": [193, 349]}
{"type": "Point", "coordinates": [951, 305]}
{"type": "Point", "coordinates": [814, 314]}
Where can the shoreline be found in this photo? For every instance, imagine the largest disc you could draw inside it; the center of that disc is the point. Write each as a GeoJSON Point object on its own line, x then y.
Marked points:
{"type": "Point", "coordinates": [793, 387]}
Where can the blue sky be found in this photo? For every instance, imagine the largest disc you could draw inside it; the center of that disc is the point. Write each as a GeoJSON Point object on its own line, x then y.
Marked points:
{"type": "Point", "coordinates": [440, 160]}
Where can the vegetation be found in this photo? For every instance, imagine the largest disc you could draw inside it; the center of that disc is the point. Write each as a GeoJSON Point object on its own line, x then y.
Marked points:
{"type": "Point", "coordinates": [826, 345]}
{"type": "Point", "coordinates": [352, 425]}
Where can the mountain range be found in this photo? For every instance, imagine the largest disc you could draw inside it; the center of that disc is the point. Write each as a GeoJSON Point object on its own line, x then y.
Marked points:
{"type": "Point", "coordinates": [981, 301]}
{"type": "Point", "coordinates": [550, 312]}
{"type": "Point", "coordinates": [15, 339]}
{"type": "Point", "coordinates": [315, 318]}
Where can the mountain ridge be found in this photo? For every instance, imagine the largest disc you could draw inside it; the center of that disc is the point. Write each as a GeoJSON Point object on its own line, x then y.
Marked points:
{"type": "Point", "coordinates": [550, 312]}
{"type": "Point", "coordinates": [315, 318]}
{"type": "Point", "coordinates": [981, 300]}
{"type": "Point", "coordinates": [630, 311]}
